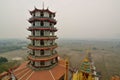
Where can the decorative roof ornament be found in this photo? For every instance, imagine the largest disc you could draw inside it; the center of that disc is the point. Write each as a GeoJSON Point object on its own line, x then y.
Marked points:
{"type": "Point", "coordinates": [43, 5]}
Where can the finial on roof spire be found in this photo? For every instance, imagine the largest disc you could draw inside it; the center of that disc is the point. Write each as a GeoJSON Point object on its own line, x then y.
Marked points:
{"type": "Point", "coordinates": [35, 7]}
{"type": "Point", "coordinates": [43, 5]}
{"type": "Point", "coordinates": [48, 7]}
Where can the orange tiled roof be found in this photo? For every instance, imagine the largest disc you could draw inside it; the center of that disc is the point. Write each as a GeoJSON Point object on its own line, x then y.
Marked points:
{"type": "Point", "coordinates": [25, 73]}
{"type": "Point", "coordinates": [42, 10]}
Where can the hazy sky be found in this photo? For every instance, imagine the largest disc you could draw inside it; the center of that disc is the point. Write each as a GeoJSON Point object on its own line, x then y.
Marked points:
{"type": "Point", "coordinates": [80, 19]}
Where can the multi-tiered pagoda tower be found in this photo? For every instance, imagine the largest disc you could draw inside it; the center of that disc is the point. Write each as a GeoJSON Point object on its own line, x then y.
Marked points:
{"type": "Point", "coordinates": [42, 48]}
{"type": "Point", "coordinates": [43, 63]}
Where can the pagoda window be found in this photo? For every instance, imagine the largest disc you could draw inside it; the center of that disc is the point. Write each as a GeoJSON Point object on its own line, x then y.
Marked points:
{"type": "Point", "coordinates": [42, 42]}
{"type": "Point", "coordinates": [33, 24]}
{"type": "Point", "coordinates": [50, 24]}
{"type": "Point", "coordinates": [33, 52]}
{"type": "Point", "coordinates": [42, 33]}
{"type": "Point", "coordinates": [33, 14]}
{"type": "Point", "coordinates": [42, 14]}
{"type": "Point", "coordinates": [42, 52]}
{"type": "Point", "coordinates": [50, 16]}
{"type": "Point", "coordinates": [42, 23]}
{"type": "Point", "coordinates": [52, 62]}
{"type": "Point", "coordinates": [33, 42]}
{"type": "Point", "coordinates": [42, 63]}
{"type": "Point", "coordinates": [33, 33]}
{"type": "Point", "coordinates": [56, 59]}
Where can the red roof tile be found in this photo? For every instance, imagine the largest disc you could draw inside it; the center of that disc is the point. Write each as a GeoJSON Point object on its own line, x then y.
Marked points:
{"type": "Point", "coordinates": [25, 73]}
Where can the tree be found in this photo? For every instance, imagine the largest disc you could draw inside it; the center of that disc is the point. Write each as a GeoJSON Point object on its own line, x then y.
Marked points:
{"type": "Point", "coordinates": [3, 60]}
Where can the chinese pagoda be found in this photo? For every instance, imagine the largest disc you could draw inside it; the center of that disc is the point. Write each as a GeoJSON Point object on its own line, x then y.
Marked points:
{"type": "Point", "coordinates": [44, 62]}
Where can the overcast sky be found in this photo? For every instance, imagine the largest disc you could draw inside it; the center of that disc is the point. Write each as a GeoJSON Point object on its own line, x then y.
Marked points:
{"type": "Point", "coordinates": [82, 19]}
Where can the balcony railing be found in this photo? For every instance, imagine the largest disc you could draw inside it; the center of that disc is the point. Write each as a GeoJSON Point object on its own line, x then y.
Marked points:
{"type": "Point", "coordinates": [33, 58]}
{"type": "Point", "coordinates": [42, 56]}
{"type": "Point", "coordinates": [44, 67]}
{"type": "Point", "coordinates": [55, 44]}
{"type": "Point", "coordinates": [42, 47]}
{"type": "Point", "coordinates": [50, 27]}
{"type": "Point", "coordinates": [42, 37]}
{"type": "Point", "coordinates": [42, 17]}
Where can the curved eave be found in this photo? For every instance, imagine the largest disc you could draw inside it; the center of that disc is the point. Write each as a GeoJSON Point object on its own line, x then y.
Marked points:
{"type": "Point", "coordinates": [43, 59]}
{"type": "Point", "coordinates": [42, 19]}
{"type": "Point", "coordinates": [39, 28]}
{"type": "Point", "coordinates": [42, 48]}
{"type": "Point", "coordinates": [42, 10]}
{"type": "Point", "coordinates": [42, 38]}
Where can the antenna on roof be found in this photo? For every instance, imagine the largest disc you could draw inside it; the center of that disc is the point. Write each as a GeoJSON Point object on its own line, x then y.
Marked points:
{"type": "Point", "coordinates": [35, 7]}
{"type": "Point", "coordinates": [48, 7]}
{"type": "Point", "coordinates": [43, 5]}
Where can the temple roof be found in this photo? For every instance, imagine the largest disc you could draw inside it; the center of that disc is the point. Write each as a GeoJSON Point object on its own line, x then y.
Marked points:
{"type": "Point", "coordinates": [86, 65]}
{"type": "Point", "coordinates": [23, 72]}
{"type": "Point", "coordinates": [42, 10]}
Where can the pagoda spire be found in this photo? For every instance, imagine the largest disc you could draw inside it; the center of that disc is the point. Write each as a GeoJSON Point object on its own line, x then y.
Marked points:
{"type": "Point", "coordinates": [43, 5]}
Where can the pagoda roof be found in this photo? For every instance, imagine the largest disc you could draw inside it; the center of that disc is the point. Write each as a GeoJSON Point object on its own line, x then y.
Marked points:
{"type": "Point", "coordinates": [86, 65]}
{"type": "Point", "coordinates": [42, 10]}
{"type": "Point", "coordinates": [23, 72]}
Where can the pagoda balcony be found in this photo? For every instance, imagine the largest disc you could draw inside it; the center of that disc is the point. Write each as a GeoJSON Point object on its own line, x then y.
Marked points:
{"type": "Point", "coordinates": [42, 19]}
{"type": "Point", "coordinates": [43, 67]}
{"type": "Point", "coordinates": [42, 37]}
{"type": "Point", "coordinates": [42, 58]}
{"type": "Point", "coordinates": [42, 28]}
{"type": "Point", "coordinates": [42, 47]}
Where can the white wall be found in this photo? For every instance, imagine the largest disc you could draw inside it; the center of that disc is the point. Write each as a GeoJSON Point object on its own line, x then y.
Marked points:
{"type": "Point", "coordinates": [37, 33]}
{"type": "Point", "coordinates": [37, 53]}
{"type": "Point", "coordinates": [46, 24]}
{"type": "Point", "coordinates": [47, 63]}
{"type": "Point", "coordinates": [37, 43]}
{"type": "Point", "coordinates": [37, 14]}
{"type": "Point", "coordinates": [37, 23]}
{"type": "Point", "coordinates": [46, 14]}
{"type": "Point", "coordinates": [37, 63]}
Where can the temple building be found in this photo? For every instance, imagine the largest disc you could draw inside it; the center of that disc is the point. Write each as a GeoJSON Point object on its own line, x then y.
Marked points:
{"type": "Point", "coordinates": [87, 70]}
{"type": "Point", "coordinates": [44, 62]}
